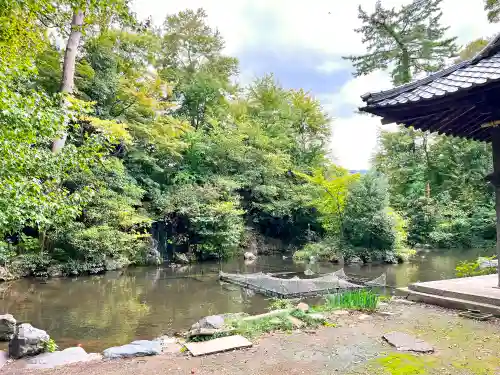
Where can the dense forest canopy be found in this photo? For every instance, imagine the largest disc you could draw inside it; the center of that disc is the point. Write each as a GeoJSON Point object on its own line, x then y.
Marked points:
{"type": "Point", "coordinates": [125, 126]}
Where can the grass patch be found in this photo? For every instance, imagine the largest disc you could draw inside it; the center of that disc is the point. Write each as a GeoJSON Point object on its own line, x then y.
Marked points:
{"type": "Point", "coordinates": [281, 304]}
{"type": "Point", "coordinates": [254, 328]}
{"type": "Point", "coordinates": [364, 300]}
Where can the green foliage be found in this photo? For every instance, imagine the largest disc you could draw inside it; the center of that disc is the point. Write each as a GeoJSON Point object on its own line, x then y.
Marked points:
{"type": "Point", "coordinates": [327, 250]}
{"type": "Point", "coordinates": [254, 328]}
{"type": "Point", "coordinates": [409, 40]}
{"type": "Point", "coordinates": [50, 346]}
{"type": "Point", "coordinates": [493, 9]}
{"type": "Point", "coordinates": [279, 304]}
{"type": "Point", "coordinates": [364, 300]}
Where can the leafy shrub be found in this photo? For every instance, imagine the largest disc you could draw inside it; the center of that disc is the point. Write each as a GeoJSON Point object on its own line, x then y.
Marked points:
{"type": "Point", "coordinates": [327, 250]}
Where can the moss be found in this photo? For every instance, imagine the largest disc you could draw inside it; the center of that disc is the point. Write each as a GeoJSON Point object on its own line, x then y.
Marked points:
{"type": "Point", "coordinates": [403, 364]}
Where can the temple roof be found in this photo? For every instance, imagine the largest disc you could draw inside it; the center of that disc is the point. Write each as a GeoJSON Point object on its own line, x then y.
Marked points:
{"type": "Point", "coordinates": [458, 100]}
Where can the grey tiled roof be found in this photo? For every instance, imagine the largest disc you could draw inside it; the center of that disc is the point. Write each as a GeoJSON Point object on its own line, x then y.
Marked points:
{"type": "Point", "coordinates": [447, 102]}
{"type": "Point", "coordinates": [484, 68]}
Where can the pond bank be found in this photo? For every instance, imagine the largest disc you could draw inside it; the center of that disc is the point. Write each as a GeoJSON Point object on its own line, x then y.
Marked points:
{"type": "Point", "coordinates": [148, 302]}
{"type": "Point", "coordinates": [354, 347]}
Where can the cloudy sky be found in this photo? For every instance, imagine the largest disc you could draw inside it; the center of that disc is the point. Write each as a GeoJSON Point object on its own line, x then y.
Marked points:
{"type": "Point", "coordinates": [302, 42]}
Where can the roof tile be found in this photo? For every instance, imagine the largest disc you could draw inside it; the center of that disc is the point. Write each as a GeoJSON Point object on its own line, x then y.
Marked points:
{"type": "Point", "coordinates": [465, 75]}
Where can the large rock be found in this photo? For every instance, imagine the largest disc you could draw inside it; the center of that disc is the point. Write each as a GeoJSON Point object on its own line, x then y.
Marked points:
{"type": "Point", "coordinates": [28, 340]}
{"type": "Point", "coordinates": [140, 348]}
{"type": "Point", "coordinates": [114, 264]}
{"type": "Point", "coordinates": [355, 260]}
{"type": "Point", "coordinates": [249, 256]}
{"type": "Point", "coordinates": [4, 358]}
{"type": "Point", "coordinates": [405, 342]}
{"type": "Point", "coordinates": [487, 263]}
{"type": "Point", "coordinates": [210, 322]}
{"type": "Point", "coordinates": [7, 327]}
{"type": "Point", "coordinates": [60, 358]}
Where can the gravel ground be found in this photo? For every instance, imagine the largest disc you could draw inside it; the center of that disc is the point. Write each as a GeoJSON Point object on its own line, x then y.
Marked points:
{"type": "Point", "coordinates": [463, 347]}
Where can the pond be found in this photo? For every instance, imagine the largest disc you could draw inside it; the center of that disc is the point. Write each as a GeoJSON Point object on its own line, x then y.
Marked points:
{"type": "Point", "coordinates": [115, 308]}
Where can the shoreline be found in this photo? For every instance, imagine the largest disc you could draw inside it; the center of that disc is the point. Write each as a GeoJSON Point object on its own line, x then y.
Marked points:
{"type": "Point", "coordinates": [354, 346]}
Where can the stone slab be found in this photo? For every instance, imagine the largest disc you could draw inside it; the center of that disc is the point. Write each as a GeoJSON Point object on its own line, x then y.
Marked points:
{"type": "Point", "coordinates": [140, 348]}
{"type": "Point", "coordinates": [218, 345]}
{"type": "Point", "coordinates": [4, 357]}
{"type": "Point", "coordinates": [60, 358]}
{"type": "Point", "coordinates": [407, 343]}
{"type": "Point", "coordinates": [479, 289]}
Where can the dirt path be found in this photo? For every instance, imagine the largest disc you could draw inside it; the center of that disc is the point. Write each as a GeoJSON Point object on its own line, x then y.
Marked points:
{"type": "Point", "coordinates": [463, 347]}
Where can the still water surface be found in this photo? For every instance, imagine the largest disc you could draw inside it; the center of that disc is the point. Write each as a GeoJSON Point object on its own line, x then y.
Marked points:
{"type": "Point", "coordinates": [118, 307]}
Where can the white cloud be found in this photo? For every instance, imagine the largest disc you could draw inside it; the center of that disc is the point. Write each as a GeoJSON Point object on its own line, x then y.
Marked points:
{"type": "Point", "coordinates": [327, 28]}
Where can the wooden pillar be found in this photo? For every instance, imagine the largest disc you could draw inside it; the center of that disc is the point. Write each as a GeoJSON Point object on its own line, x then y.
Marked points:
{"type": "Point", "coordinates": [495, 141]}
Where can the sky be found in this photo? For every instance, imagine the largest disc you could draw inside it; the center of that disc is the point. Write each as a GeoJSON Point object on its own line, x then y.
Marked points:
{"type": "Point", "coordinates": [302, 44]}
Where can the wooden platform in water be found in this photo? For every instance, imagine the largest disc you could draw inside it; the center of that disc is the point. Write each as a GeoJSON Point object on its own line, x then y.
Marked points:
{"type": "Point", "coordinates": [469, 293]}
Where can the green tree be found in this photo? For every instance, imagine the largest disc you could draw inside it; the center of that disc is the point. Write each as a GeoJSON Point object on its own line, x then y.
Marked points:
{"type": "Point", "coordinates": [409, 40]}
{"type": "Point", "coordinates": [492, 7]}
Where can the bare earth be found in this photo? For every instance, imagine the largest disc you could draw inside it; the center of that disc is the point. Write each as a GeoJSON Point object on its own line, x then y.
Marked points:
{"type": "Point", "coordinates": [355, 346]}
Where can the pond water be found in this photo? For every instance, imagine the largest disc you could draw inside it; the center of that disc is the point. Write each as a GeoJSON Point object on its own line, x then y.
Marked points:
{"type": "Point", "coordinates": [142, 303]}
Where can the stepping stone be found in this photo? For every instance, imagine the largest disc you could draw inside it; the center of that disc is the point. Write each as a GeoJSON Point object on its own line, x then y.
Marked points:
{"type": "Point", "coordinates": [140, 348]}
{"type": "Point", "coordinates": [4, 357]}
{"type": "Point", "coordinates": [407, 343]}
{"type": "Point", "coordinates": [217, 345]}
{"type": "Point", "coordinates": [297, 323]}
{"type": "Point", "coordinates": [60, 358]}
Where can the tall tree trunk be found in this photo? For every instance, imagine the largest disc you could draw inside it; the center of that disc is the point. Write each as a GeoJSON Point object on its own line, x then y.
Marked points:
{"type": "Point", "coordinates": [68, 76]}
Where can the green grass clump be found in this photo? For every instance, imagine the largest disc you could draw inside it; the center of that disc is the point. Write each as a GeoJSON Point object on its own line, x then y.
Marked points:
{"type": "Point", "coordinates": [280, 304]}
{"type": "Point", "coordinates": [364, 300]}
{"type": "Point", "coordinates": [254, 328]}
{"type": "Point", "coordinates": [306, 318]}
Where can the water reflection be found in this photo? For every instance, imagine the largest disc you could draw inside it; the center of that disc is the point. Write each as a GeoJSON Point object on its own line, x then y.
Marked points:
{"type": "Point", "coordinates": [112, 309]}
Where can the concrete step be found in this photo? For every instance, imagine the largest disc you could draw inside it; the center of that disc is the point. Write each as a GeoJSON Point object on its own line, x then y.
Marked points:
{"type": "Point", "coordinates": [427, 289]}
{"type": "Point", "coordinates": [449, 302]}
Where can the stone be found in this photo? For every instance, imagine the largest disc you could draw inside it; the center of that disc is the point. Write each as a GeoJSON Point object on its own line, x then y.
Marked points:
{"type": "Point", "coordinates": [153, 257]}
{"type": "Point", "coordinates": [7, 327]}
{"type": "Point", "coordinates": [402, 301]}
{"type": "Point", "coordinates": [60, 358]}
{"type": "Point", "coordinates": [181, 258]}
{"type": "Point", "coordinates": [487, 263]}
{"type": "Point", "coordinates": [55, 270]}
{"type": "Point", "coordinates": [303, 307]}
{"type": "Point", "coordinates": [317, 316]}
{"type": "Point", "coordinates": [405, 342]}
{"type": "Point", "coordinates": [140, 348]}
{"type": "Point", "coordinates": [355, 260]}
{"type": "Point", "coordinates": [221, 344]}
{"type": "Point", "coordinates": [4, 358]}
{"type": "Point", "coordinates": [6, 274]}
{"type": "Point", "coordinates": [112, 264]}
{"type": "Point", "coordinates": [386, 313]}
{"type": "Point", "coordinates": [308, 272]}
{"type": "Point", "coordinates": [340, 312]}
{"type": "Point", "coordinates": [249, 256]}
{"type": "Point", "coordinates": [296, 323]}
{"type": "Point", "coordinates": [210, 322]}
{"type": "Point", "coordinates": [28, 340]}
